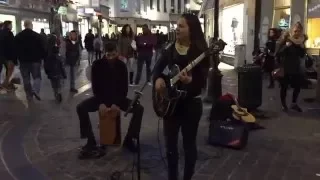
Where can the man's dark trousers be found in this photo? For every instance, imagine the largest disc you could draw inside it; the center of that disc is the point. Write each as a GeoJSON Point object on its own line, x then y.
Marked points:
{"type": "Point", "coordinates": [92, 105]}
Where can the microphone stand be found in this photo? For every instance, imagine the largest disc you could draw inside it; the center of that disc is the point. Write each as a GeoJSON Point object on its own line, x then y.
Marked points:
{"type": "Point", "coordinates": [135, 100]}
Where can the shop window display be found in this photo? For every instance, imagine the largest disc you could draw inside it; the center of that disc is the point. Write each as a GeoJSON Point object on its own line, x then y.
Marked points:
{"type": "Point", "coordinates": [39, 24]}
{"type": "Point", "coordinates": [313, 24]}
{"type": "Point", "coordinates": [232, 27]}
{"type": "Point", "coordinates": [281, 18]}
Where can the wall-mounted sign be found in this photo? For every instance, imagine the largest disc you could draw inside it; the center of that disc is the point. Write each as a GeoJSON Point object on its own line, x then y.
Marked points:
{"type": "Point", "coordinates": [314, 9]}
{"type": "Point", "coordinates": [124, 6]}
{"type": "Point", "coordinates": [62, 10]}
{"type": "Point", "coordinates": [4, 1]}
{"type": "Point", "coordinates": [95, 3]}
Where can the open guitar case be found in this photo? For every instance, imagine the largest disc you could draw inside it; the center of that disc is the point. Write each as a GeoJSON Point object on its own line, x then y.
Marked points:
{"type": "Point", "coordinates": [224, 129]}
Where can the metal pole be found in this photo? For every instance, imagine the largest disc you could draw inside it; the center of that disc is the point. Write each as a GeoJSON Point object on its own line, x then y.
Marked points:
{"type": "Point", "coordinates": [214, 76]}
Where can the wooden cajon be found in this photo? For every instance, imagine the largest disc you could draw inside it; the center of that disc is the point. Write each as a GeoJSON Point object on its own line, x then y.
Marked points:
{"type": "Point", "coordinates": [110, 127]}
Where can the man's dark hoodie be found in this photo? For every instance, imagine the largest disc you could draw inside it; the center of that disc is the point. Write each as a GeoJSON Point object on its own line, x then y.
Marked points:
{"type": "Point", "coordinates": [30, 47]}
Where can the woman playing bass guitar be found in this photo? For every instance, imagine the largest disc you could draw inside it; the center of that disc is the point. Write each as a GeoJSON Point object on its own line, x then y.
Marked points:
{"type": "Point", "coordinates": [190, 43]}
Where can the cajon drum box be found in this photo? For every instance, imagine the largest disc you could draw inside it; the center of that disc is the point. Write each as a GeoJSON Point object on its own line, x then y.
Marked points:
{"type": "Point", "coordinates": [110, 127]}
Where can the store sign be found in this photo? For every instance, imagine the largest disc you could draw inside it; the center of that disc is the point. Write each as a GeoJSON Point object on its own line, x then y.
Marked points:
{"type": "Point", "coordinates": [314, 9]}
{"type": "Point", "coordinates": [63, 10]}
{"type": "Point", "coordinates": [95, 3]}
{"type": "Point", "coordinates": [124, 6]}
{"type": "Point", "coordinates": [4, 1]}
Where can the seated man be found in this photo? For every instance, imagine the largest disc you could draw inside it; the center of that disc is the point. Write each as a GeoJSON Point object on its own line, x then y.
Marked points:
{"type": "Point", "coordinates": [109, 78]}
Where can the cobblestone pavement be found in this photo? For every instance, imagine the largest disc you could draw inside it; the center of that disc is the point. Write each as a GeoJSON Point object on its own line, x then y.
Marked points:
{"type": "Point", "coordinates": [288, 149]}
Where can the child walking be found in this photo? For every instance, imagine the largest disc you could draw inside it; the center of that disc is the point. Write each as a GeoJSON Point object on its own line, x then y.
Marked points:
{"type": "Point", "coordinates": [54, 68]}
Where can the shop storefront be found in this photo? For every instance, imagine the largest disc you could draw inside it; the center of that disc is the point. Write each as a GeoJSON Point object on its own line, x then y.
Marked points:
{"type": "Point", "coordinates": [39, 24]}
{"type": "Point", "coordinates": [282, 14]}
{"type": "Point", "coordinates": [231, 25]}
{"type": "Point", "coordinates": [12, 18]}
{"type": "Point", "coordinates": [160, 28]}
{"type": "Point", "coordinates": [313, 24]}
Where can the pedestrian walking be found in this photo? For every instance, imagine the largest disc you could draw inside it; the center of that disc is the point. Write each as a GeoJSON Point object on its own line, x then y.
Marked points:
{"type": "Point", "coordinates": [54, 68]}
{"type": "Point", "coordinates": [88, 43]}
{"type": "Point", "coordinates": [145, 46]}
{"type": "Point", "coordinates": [30, 52]}
{"type": "Point", "coordinates": [126, 48]}
{"type": "Point", "coordinates": [72, 57]}
{"type": "Point", "coordinates": [98, 46]}
{"type": "Point", "coordinates": [291, 50]}
{"type": "Point", "coordinates": [7, 55]}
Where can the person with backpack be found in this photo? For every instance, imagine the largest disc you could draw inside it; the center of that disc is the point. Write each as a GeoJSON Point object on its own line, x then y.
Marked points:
{"type": "Point", "coordinates": [97, 44]}
{"type": "Point", "coordinates": [53, 66]}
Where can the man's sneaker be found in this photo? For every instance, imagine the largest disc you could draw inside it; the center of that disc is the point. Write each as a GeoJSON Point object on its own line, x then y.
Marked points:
{"type": "Point", "coordinates": [73, 90]}
{"type": "Point", "coordinates": [36, 96]}
{"type": "Point", "coordinates": [296, 108]}
{"type": "Point", "coordinates": [129, 144]}
{"type": "Point", "coordinates": [58, 97]}
{"type": "Point", "coordinates": [285, 108]}
{"type": "Point", "coordinates": [91, 154]}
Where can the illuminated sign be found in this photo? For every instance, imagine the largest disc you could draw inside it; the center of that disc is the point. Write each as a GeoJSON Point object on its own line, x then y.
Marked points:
{"type": "Point", "coordinates": [4, 1]}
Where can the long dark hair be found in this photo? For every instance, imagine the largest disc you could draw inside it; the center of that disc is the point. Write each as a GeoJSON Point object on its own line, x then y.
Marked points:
{"type": "Point", "coordinates": [51, 46]}
{"type": "Point", "coordinates": [195, 31]}
{"type": "Point", "coordinates": [124, 31]}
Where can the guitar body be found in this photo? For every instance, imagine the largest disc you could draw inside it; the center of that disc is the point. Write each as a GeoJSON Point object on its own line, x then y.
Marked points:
{"type": "Point", "coordinates": [164, 105]}
{"type": "Point", "coordinates": [243, 114]}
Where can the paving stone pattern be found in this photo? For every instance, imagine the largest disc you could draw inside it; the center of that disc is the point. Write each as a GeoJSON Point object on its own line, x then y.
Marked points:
{"type": "Point", "coordinates": [288, 149]}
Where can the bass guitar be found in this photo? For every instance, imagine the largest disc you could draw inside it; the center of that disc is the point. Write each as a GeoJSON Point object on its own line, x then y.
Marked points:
{"type": "Point", "coordinates": [165, 103]}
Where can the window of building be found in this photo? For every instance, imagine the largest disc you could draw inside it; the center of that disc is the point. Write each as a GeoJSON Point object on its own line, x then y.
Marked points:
{"type": "Point", "coordinates": [158, 5]}
{"type": "Point", "coordinates": [151, 4]}
{"type": "Point", "coordinates": [282, 14]}
{"type": "Point", "coordinates": [313, 24]}
{"type": "Point", "coordinates": [164, 5]}
{"type": "Point", "coordinates": [179, 6]}
{"type": "Point", "coordinates": [232, 27]}
{"type": "Point", "coordinates": [172, 6]}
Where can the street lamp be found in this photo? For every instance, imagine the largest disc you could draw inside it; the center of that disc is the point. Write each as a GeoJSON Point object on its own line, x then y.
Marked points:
{"type": "Point", "coordinates": [188, 7]}
{"type": "Point", "coordinates": [214, 75]}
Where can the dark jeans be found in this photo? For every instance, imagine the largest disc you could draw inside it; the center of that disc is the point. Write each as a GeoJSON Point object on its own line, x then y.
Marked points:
{"type": "Point", "coordinates": [56, 84]}
{"type": "Point", "coordinates": [141, 60]}
{"type": "Point", "coordinates": [98, 54]}
{"type": "Point", "coordinates": [72, 77]}
{"type": "Point", "coordinates": [187, 116]}
{"type": "Point", "coordinates": [92, 104]}
{"type": "Point", "coordinates": [294, 81]}
{"type": "Point", "coordinates": [33, 69]}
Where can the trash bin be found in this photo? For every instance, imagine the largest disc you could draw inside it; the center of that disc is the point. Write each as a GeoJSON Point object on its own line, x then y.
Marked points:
{"type": "Point", "coordinates": [250, 86]}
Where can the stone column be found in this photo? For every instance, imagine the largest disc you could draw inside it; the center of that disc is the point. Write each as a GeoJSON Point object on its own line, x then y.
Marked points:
{"type": "Point", "coordinates": [298, 8]}
{"type": "Point", "coordinates": [248, 29]}
{"type": "Point", "coordinates": [267, 7]}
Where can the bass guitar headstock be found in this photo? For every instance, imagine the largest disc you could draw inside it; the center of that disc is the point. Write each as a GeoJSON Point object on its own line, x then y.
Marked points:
{"type": "Point", "coordinates": [216, 46]}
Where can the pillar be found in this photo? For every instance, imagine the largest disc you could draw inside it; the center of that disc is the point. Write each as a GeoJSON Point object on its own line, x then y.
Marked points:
{"type": "Point", "coordinates": [267, 7]}
{"type": "Point", "coordinates": [248, 30]}
{"type": "Point", "coordinates": [298, 11]}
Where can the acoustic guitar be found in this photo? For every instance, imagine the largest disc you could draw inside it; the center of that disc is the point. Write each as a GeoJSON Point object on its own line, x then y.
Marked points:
{"type": "Point", "coordinates": [241, 113]}
{"type": "Point", "coordinates": [164, 104]}
{"type": "Point", "coordinates": [109, 126]}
